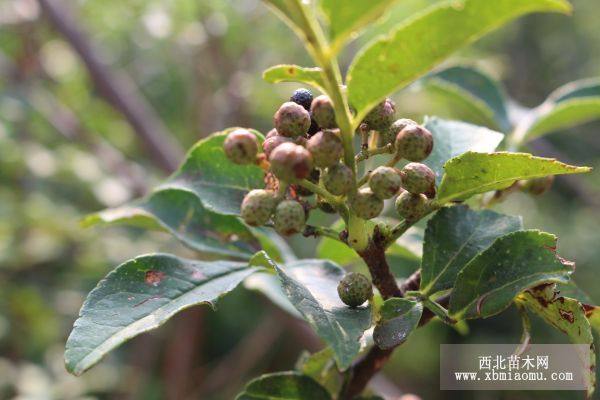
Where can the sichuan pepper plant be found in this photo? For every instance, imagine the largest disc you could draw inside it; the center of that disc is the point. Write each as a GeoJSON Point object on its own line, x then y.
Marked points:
{"type": "Point", "coordinates": [344, 149]}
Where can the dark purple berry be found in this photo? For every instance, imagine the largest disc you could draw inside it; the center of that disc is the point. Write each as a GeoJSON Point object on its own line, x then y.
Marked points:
{"type": "Point", "coordinates": [303, 97]}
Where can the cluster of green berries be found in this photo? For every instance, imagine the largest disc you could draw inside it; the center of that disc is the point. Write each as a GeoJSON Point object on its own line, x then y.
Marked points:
{"type": "Point", "coordinates": [414, 183]}
{"type": "Point", "coordinates": [304, 144]}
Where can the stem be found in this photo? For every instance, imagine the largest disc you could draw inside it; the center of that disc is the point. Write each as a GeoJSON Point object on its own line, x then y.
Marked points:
{"type": "Point", "coordinates": [374, 257]}
{"type": "Point", "coordinates": [311, 230]}
{"type": "Point", "coordinates": [365, 154]}
{"type": "Point", "coordinates": [438, 310]}
{"type": "Point", "coordinates": [331, 199]}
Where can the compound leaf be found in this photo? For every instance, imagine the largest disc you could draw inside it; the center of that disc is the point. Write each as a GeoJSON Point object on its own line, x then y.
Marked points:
{"type": "Point", "coordinates": [398, 318]}
{"type": "Point", "coordinates": [453, 138]}
{"type": "Point", "coordinates": [453, 237]}
{"type": "Point", "coordinates": [421, 42]}
{"type": "Point", "coordinates": [475, 89]}
{"type": "Point", "coordinates": [142, 294]}
{"type": "Point", "coordinates": [573, 104]}
{"type": "Point", "coordinates": [513, 263]}
{"type": "Point", "coordinates": [472, 173]}
{"type": "Point", "coordinates": [294, 73]}
{"type": "Point", "coordinates": [284, 386]}
{"type": "Point", "coordinates": [311, 286]}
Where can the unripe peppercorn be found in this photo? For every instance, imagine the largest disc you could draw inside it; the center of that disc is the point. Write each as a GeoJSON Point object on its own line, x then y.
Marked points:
{"type": "Point", "coordinates": [411, 206]}
{"type": "Point", "coordinates": [394, 129]}
{"type": "Point", "coordinates": [290, 162]}
{"type": "Point", "coordinates": [241, 146]}
{"type": "Point", "coordinates": [326, 148]}
{"type": "Point", "coordinates": [538, 186]}
{"type": "Point", "coordinates": [338, 179]}
{"type": "Point", "coordinates": [273, 142]}
{"type": "Point", "coordinates": [272, 133]}
{"type": "Point", "coordinates": [414, 143]}
{"type": "Point", "coordinates": [302, 97]}
{"type": "Point", "coordinates": [354, 289]}
{"type": "Point", "coordinates": [366, 205]}
{"type": "Point", "coordinates": [258, 206]}
{"type": "Point", "coordinates": [289, 217]}
{"type": "Point", "coordinates": [323, 112]}
{"type": "Point", "coordinates": [291, 120]}
{"type": "Point", "coordinates": [385, 182]}
{"type": "Point", "coordinates": [417, 178]}
{"type": "Point", "coordinates": [382, 116]}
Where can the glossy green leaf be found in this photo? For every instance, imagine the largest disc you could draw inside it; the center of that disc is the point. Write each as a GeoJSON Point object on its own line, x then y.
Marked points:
{"type": "Point", "coordinates": [398, 318]}
{"type": "Point", "coordinates": [294, 73]}
{"type": "Point", "coordinates": [453, 237]}
{"type": "Point", "coordinates": [142, 294]}
{"type": "Point", "coordinates": [207, 173]}
{"type": "Point", "coordinates": [420, 43]}
{"type": "Point", "coordinates": [476, 90]}
{"type": "Point", "coordinates": [311, 286]}
{"type": "Point", "coordinates": [453, 138]}
{"type": "Point", "coordinates": [568, 316]}
{"type": "Point", "coordinates": [347, 18]}
{"type": "Point", "coordinates": [513, 263]}
{"type": "Point", "coordinates": [183, 215]}
{"type": "Point", "coordinates": [573, 104]}
{"type": "Point", "coordinates": [270, 286]}
{"type": "Point", "coordinates": [284, 386]}
{"type": "Point", "coordinates": [472, 173]}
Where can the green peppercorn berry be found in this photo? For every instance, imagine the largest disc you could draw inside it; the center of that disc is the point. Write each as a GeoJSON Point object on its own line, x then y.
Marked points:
{"type": "Point", "coordinates": [381, 117]}
{"type": "Point", "coordinates": [414, 143]}
{"type": "Point", "coordinates": [323, 112]}
{"type": "Point", "coordinates": [385, 182]}
{"type": "Point", "coordinates": [241, 146]}
{"type": "Point", "coordinates": [258, 206]}
{"type": "Point", "coordinates": [338, 179]}
{"type": "Point", "coordinates": [326, 148]}
{"type": "Point", "coordinates": [291, 120]}
{"type": "Point", "coordinates": [417, 178]}
{"type": "Point", "coordinates": [366, 205]}
{"type": "Point", "coordinates": [291, 162]}
{"type": "Point", "coordinates": [411, 206]}
{"type": "Point", "coordinates": [354, 289]}
{"type": "Point", "coordinates": [289, 218]}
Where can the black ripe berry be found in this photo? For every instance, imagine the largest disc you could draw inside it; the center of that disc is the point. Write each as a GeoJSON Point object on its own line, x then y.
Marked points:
{"type": "Point", "coordinates": [302, 97]}
{"type": "Point", "coordinates": [354, 289]}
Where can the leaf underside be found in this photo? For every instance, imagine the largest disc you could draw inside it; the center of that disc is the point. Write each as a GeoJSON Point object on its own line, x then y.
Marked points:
{"type": "Point", "coordinates": [399, 317]}
{"type": "Point", "coordinates": [284, 386]}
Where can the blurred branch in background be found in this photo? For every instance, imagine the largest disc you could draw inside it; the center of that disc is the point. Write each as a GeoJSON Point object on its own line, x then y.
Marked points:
{"type": "Point", "coordinates": [118, 89]}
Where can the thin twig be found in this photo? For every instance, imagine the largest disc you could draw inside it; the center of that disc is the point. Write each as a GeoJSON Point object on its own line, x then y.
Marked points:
{"type": "Point", "coordinates": [117, 89]}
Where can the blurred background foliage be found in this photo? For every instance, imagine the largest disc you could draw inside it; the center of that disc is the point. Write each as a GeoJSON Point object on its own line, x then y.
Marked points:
{"type": "Point", "coordinates": [65, 152]}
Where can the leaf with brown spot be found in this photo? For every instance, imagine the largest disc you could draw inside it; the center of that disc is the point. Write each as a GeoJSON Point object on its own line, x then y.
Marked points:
{"type": "Point", "coordinates": [295, 73]}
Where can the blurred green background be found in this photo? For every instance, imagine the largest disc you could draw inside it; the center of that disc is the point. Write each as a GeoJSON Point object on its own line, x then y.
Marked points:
{"type": "Point", "coordinates": [65, 151]}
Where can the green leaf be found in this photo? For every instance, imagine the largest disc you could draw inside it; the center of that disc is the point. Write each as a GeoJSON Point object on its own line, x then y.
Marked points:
{"type": "Point", "coordinates": [311, 286]}
{"type": "Point", "coordinates": [568, 316]}
{"type": "Point", "coordinates": [321, 367]}
{"type": "Point", "coordinates": [294, 73]}
{"type": "Point", "coordinates": [453, 237]}
{"type": "Point", "coordinates": [182, 214]}
{"type": "Point", "coordinates": [284, 386]}
{"type": "Point", "coordinates": [270, 286]}
{"type": "Point", "coordinates": [453, 138]}
{"type": "Point", "coordinates": [472, 173]}
{"type": "Point", "coordinates": [399, 317]}
{"type": "Point", "coordinates": [346, 19]}
{"type": "Point", "coordinates": [573, 104]}
{"type": "Point", "coordinates": [207, 173]}
{"type": "Point", "coordinates": [420, 43]}
{"type": "Point", "coordinates": [475, 89]}
{"type": "Point", "coordinates": [290, 12]}
{"type": "Point", "coordinates": [513, 263]}
{"type": "Point", "coordinates": [140, 295]}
